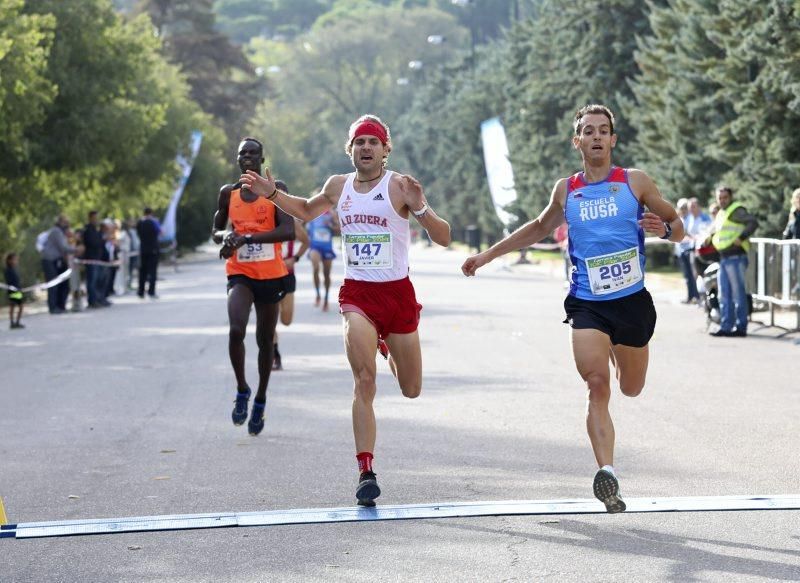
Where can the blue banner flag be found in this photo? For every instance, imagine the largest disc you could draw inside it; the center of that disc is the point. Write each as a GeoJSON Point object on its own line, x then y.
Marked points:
{"type": "Point", "coordinates": [185, 163]}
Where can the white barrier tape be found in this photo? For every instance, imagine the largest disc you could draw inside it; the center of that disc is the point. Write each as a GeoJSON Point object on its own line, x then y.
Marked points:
{"type": "Point", "coordinates": [48, 284]}
{"type": "Point", "coordinates": [116, 263]}
{"type": "Point", "coordinates": [398, 512]}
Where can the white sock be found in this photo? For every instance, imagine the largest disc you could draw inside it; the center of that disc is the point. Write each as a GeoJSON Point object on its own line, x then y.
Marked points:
{"type": "Point", "coordinates": [609, 469]}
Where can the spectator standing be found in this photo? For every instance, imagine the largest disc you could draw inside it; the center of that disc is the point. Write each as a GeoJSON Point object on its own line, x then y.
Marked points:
{"type": "Point", "coordinates": [55, 253]}
{"type": "Point", "coordinates": [732, 228]}
{"type": "Point", "coordinates": [698, 226]}
{"type": "Point", "coordinates": [124, 253]}
{"type": "Point", "coordinates": [75, 240]}
{"type": "Point", "coordinates": [111, 236]}
{"type": "Point", "coordinates": [133, 261]}
{"type": "Point", "coordinates": [93, 245]}
{"type": "Point", "coordinates": [149, 229]}
{"type": "Point", "coordinates": [683, 251]}
{"type": "Point", "coordinates": [14, 293]}
{"type": "Point", "coordinates": [792, 230]}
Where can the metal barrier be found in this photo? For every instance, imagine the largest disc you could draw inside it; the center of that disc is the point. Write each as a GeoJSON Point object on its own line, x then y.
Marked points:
{"type": "Point", "coordinates": [776, 277]}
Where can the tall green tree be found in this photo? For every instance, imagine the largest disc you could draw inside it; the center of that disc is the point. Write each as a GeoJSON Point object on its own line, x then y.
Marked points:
{"type": "Point", "coordinates": [718, 101]}
{"type": "Point", "coordinates": [221, 78]}
{"type": "Point", "coordinates": [760, 144]}
{"type": "Point", "coordinates": [242, 20]}
{"type": "Point", "coordinates": [25, 90]}
{"type": "Point", "coordinates": [677, 105]}
{"type": "Point", "coordinates": [563, 58]}
{"type": "Point", "coordinates": [440, 139]}
{"type": "Point", "coordinates": [331, 76]}
{"type": "Point", "coordinates": [108, 135]}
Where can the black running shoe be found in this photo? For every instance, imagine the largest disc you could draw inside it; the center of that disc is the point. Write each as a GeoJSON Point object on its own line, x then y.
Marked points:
{"type": "Point", "coordinates": [239, 413]}
{"type": "Point", "coordinates": [256, 423]}
{"type": "Point", "coordinates": [368, 489]}
{"type": "Point", "coordinates": [606, 489]}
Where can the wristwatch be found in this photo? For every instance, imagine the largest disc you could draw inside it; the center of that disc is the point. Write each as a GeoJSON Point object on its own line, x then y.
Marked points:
{"type": "Point", "coordinates": [248, 238]}
{"type": "Point", "coordinates": [668, 230]}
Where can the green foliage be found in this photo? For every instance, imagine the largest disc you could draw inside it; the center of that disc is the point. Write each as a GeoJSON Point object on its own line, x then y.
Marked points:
{"type": "Point", "coordinates": [730, 113]}
{"type": "Point", "coordinates": [25, 90]}
{"type": "Point", "coordinates": [106, 136]}
{"type": "Point", "coordinates": [566, 57]}
{"type": "Point", "coordinates": [243, 20]}
{"type": "Point", "coordinates": [329, 77]}
{"type": "Point", "coordinates": [442, 142]}
{"type": "Point", "coordinates": [221, 78]}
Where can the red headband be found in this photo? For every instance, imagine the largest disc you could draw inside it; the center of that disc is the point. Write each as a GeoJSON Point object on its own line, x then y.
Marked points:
{"type": "Point", "coordinates": [369, 128]}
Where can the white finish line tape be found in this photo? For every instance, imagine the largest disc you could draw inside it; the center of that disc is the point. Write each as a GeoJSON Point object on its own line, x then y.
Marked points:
{"type": "Point", "coordinates": [398, 512]}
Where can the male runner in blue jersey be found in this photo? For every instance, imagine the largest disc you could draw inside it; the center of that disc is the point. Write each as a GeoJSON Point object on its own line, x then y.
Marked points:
{"type": "Point", "coordinates": [321, 231]}
{"type": "Point", "coordinates": [610, 311]}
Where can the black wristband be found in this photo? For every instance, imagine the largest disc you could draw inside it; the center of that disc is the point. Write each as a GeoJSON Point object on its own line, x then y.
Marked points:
{"type": "Point", "coordinates": [667, 230]}
{"type": "Point", "coordinates": [274, 194]}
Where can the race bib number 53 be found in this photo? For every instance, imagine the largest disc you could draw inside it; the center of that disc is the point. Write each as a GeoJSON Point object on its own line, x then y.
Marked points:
{"type": "Point", "coordinates": [613, 272]}
{"type": "Point", "coordinates": [255, 252]}
{"type": "Point", "coordinates": [368, 250]}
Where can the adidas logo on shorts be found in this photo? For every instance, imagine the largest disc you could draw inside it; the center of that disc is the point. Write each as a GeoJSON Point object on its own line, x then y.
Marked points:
{"type": "Point", "coordinates": [378, 196]}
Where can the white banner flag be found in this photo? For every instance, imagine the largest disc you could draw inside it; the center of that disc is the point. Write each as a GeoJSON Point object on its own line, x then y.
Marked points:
{"type": "Point", "coordinates": [169, 228]}
{"type": "Point", "coordinates": [499, 172]}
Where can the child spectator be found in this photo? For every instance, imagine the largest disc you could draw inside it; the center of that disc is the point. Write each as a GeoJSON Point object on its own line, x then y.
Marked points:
{"type": "Point", "coordinates": [14, 293]}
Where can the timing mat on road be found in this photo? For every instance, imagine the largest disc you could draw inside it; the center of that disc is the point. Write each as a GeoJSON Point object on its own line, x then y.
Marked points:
{"type": "Point", "coordinates": [398, 512]}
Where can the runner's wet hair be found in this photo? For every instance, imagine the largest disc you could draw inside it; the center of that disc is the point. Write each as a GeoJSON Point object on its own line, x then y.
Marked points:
{"type": "Point", "coordinates": [588, 109]}
{"type": "Point", "coordinates": [281, 185]}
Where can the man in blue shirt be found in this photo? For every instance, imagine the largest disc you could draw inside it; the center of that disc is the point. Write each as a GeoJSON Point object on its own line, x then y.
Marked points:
{"type": "Point", "coordinates": [608, 308]}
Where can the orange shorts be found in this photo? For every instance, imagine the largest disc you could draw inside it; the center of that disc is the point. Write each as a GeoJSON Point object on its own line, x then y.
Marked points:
{"type": "Point", "coordinates": [391, 306]}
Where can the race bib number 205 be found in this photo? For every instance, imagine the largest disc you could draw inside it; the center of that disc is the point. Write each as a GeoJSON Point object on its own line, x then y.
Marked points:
{"type": "Point", "coordinates": [368, 250]}
{"type": "Point", "coordinates": [613, 272]}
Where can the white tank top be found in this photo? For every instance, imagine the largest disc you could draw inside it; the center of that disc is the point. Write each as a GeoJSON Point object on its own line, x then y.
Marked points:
{"type": "Point", "coordinates": [374, 237]}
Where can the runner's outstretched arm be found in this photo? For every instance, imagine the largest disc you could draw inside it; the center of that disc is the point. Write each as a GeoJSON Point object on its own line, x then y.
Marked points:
{"type": "Point", "coordinates": [528, 234]}
{"type": "Point", "coordinates": [301, 208]}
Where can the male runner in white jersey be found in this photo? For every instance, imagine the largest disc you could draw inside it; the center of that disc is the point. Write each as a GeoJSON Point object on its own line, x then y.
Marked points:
{"type": "Point", "coordinates": [377, 299]}
{"type": "Point", "coordinates": [610, 312]}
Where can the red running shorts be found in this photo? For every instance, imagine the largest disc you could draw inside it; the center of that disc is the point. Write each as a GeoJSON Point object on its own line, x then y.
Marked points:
{"type": "Point", "coordinates": [391, 306]}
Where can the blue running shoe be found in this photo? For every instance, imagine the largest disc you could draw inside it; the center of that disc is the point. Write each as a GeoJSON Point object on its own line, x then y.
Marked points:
{"type": "Point", "coordinates": [256, 423]}
{"type": "Point", "coordinates": [239, 413]}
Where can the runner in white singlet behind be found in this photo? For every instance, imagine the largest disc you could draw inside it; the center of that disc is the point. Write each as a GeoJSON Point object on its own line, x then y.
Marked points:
{"type": "Point", "coordinates": [377, 299]}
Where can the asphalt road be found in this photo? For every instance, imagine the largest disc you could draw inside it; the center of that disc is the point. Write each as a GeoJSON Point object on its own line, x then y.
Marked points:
{"type": "Point", "coordinates": [126, 412]}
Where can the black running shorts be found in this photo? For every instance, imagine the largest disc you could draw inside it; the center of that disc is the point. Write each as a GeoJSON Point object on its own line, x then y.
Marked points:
{"type": "Point", "coordinates": [629, 321]}
{"type": "Point", "coordinates": [265, 291]}
{"type": "Point", "coordinates": [290, 283]}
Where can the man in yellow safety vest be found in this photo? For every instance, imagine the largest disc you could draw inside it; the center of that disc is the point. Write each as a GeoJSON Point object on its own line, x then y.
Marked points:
{"type": "Point", "coordinates": [732, 228]}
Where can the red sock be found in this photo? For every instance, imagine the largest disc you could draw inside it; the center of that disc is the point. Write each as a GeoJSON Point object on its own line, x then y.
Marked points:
{"type": "Point", "coordinates": [364, 461]}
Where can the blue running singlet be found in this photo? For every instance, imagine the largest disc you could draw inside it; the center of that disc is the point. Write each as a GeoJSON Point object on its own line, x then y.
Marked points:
{"type": "Point", "coordinates": [320, 231]}
{"type": "Point", "coordinates": [606, 243]}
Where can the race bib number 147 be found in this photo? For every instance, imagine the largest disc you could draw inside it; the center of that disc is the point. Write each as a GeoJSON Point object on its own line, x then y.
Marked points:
{"type": "Point", "coordinates": [368, 250]}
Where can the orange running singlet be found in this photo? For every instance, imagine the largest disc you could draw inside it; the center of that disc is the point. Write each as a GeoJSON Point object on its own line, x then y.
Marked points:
{"type": "Point", "coordinates": [257, 260]}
